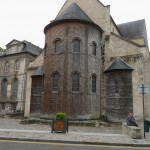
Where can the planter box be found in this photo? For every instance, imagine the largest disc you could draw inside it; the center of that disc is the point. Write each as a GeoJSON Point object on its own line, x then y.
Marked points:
{"type": "Point", "coordinates": [59, 126]}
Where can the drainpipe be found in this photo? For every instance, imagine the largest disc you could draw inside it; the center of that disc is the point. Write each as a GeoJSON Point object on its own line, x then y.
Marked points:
{"type": "Point", "coordinates": [101, 74]}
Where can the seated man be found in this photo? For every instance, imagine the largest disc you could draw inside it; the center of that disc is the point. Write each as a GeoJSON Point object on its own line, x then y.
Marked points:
{"type": "Point", "coordinates": [131, 120]}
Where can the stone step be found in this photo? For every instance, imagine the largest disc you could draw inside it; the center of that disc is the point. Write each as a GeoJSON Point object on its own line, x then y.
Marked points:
{"type": "Point", "coordinates": [91, 123]}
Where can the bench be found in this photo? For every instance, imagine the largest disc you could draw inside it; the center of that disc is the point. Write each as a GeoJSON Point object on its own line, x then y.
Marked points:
{"type": "Point", "coordinates": [133, 131]}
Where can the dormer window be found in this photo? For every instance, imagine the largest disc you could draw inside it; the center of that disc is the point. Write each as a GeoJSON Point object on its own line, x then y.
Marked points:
{"type": "Point", "coordinates": [18, 48]}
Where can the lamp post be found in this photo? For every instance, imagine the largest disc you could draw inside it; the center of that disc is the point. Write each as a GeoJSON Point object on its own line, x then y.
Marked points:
{"type": "Point", "coordinates": [143, 89]}
{"type": "Point", "coordinates": [143, 107]}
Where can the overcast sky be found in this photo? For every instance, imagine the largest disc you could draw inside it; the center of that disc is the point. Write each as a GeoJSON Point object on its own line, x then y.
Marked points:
{"type": "Point", "coordinates": [26, 19]}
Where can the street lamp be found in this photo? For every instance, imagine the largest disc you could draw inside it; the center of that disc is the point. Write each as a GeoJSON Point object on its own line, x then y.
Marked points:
{"type": "Point", "coordinates": [143, 89]}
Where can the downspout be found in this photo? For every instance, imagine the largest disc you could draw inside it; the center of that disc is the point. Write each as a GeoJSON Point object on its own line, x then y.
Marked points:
{"type": "Point", "coordinates": [22, 106]}
{"type": "Point", "coordinates": [101, 75]}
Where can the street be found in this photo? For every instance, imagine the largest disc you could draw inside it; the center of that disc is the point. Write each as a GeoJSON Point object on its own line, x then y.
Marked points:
{"type": "Point", "coordinates": [24, 145]}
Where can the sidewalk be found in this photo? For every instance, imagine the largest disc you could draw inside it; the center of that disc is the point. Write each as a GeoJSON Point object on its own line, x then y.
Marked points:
{"type": "Point", "coordinates": [12, 130]}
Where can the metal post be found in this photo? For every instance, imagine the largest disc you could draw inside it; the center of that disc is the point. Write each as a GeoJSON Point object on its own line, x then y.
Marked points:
{"type": "Point", "coordinates": [143, 107]}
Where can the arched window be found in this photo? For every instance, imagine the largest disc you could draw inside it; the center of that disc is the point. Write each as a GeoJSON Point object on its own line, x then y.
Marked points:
{"type": "Point", "coordinates": [94, 49]}
{"type": "Point", "coordinates": [4, 85]}
{"type": "Point", "coordinates": [57, 46]}
{"type": "Point", "coordinates": [14, 89]}
{"type": "Point", "coordinates": [56, 77]}
{"type": "Point", "coordinates": [17, 65]}
{"type": "Point", "coordinates": [76, 46]}
{"type": "Point", "coordinates": [75, 82]}
{"type": "Point", "coordinates": [93, 83]}
{"type": "Point", "coordinates": [6, 67]}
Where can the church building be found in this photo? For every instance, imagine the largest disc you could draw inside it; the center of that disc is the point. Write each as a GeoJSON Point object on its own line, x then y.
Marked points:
{"type": "Point", "coordinates": [90, 67]}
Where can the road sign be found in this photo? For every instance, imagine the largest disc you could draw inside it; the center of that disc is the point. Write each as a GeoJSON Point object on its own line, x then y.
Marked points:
{"type": "Point", "coordinates": [143, 89]}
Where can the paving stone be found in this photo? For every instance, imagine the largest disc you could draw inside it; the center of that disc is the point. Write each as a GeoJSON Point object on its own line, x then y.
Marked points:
{"type": "Point", "coordinates": [11, 128]}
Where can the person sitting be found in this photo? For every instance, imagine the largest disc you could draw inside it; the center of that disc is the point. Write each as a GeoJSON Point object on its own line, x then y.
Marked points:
{"type": "Point", "coordinates": [131, 120]}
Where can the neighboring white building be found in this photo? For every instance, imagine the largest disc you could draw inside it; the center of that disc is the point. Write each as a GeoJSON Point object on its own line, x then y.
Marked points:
{"type": "Point", "coordinates": [13, 70]}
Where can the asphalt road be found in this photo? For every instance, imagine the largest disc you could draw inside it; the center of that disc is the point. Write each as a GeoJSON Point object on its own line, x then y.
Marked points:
{"type": "Point", "coordinates": [23, 145]}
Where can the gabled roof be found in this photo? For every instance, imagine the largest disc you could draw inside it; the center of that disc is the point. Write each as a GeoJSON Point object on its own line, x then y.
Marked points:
{"type": "Point", "coordinates": [28, 47]}
{"type": "Point", "coordinates": [73, 12]}
{"type": "Point", "coordinates": [38, 72]}
{"type": "Point", "coordinates": [14, 40]}
{"type": "Point", "coordinates": [135, 29]}
{"type": "Point", "coordinates": [118, 65]}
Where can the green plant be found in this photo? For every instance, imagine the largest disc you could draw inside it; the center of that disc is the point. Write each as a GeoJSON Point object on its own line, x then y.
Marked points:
{"type": "Point", "coordinates": [60, 116]}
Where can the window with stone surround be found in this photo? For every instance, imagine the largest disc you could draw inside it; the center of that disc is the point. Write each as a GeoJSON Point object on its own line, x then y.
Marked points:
{"type": "Point", "coordinates": [94, 83]}
{"type": "Point", "coordinates": [17, 64]}
{"type": "Point", "coordinates": [4, 85]}
{"type": "Point", "coordinates": [76, 45]}
{"type": "Point", "coordinates": [56, 78]}
{"type": "Point", "coordinates": [116, 86]}
{"type": "Point", "coordinates": [57, 45]}
{"type": "Point", "coordinates": [6, 67]}
{"type": "Point", "coordinates": [94, 48]}
{"type": "Point", "coordinates": [14, 89]}
{"type": "Point", "coordinates": [75, 82]}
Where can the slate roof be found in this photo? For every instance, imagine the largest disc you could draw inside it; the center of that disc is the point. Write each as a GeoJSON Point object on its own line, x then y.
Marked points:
{"type": "Point", "coordinates": [135, 29]}
{"type": "Point", "coordinates": [31, 48]}
{"type": "Point", "coordinates": [28, 47]}
{"type": "Point", "coordinates": [118, 65]}
{"type": "Point", "coordinates": [38, 72]}
{"type": "Point", "coordinates": [73, 12]}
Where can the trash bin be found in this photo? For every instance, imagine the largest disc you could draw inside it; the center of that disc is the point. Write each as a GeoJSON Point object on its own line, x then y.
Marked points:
{"type": "Point", "coordinates": [146, 125]}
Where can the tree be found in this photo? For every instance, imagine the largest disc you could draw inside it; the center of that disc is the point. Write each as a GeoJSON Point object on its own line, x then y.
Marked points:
{"type": "Point", "coordinates": [2, 50]}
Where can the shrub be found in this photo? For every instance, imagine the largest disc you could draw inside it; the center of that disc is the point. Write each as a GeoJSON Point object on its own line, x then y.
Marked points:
{"type": "Point", "coordinates": [60, 116]}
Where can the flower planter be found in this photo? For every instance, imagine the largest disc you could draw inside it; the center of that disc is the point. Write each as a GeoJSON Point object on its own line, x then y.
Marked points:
{"type": "Point", "coordinates": [59, 126]}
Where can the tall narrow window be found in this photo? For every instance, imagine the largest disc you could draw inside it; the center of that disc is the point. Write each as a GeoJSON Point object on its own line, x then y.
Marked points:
{"type": "Point", "coordinates": [4, 85]}
{"type": "Point", "coordinates": [14, 89]}
{"type": "Point", "coordinates": [57, 46]}
{"type": "Point", "coordinates": [56, 77]}
{"type": "Point", "coordinates": [17, 65]}
{"type": "Point", "coordinates": [45, 50]}
{"type": "Point", "coordinates": [93, 49]}
{"type": "Point", "coordinates": [6, 67]}
{"type": "Point", "coordinates": [76, 46]}
{"type": "Point", "coordinates": [93, 83]}
{"type": "Point", "coordinates": [75, 82]}
{"type": "Point", "coordinates": [116, 86]}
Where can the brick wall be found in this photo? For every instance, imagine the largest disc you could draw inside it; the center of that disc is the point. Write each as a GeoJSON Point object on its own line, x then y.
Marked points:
{"type": "Point", "coordinates": [83, 104]}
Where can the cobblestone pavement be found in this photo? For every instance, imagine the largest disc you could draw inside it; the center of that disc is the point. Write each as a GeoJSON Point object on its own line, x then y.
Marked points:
{"type": "Point", "coordinates": [15, 124]}
{"type": "Point", "coordinates": [12, 129]}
